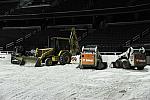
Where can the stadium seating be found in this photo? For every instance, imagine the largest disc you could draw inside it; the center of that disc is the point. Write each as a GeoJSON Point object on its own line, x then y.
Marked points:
{"type": "Point", "coordinates": [11, 35]}
{"type": "Point", "coordinates": [48, 6]}
{"type": "Point", "coordinates": [8, 6]}
{"type": "Point", "coordinates": [114, 36]}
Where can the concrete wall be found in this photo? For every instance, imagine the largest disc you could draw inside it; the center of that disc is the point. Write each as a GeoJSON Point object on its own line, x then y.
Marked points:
{"type": "Point", "coordinates": [5, 57]}
{"type": "Point", "coordinates": [109, 59]}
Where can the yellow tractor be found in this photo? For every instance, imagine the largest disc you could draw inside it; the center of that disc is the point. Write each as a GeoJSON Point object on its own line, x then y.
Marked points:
{"type": "Point", "coordinates": [58, 53]}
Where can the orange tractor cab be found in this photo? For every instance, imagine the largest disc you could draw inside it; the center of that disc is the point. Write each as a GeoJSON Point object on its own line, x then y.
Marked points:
{"type": "Point", "coordinates": [91, 57]}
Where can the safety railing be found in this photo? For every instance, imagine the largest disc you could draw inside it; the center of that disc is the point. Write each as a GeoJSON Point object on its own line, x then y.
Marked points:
{"type": "Point", "coordinates": [137, 37]}
{"type": "Point", "coordinates": [29, 35]}
{"type": "Point", "coordinates": [5, 52]}
{"type": "Point", "coordinates": [80, 38]}
{"type": "Point", "coordinates": [1, 48]}
{"type": "Point", "coordinates": [9, 45]}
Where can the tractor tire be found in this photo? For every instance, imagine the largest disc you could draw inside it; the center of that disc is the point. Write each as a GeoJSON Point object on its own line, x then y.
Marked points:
{"type": "Point", "coordinates": [126, 64]}
{"type": "Point", "coordinates": [118, 64]}
{"type": "Point", "coordinates": [132, 67]}
{"type": "Point", "coordinates": [65, 58]}
{"type": "Point", "coordinates": [38, 63]}
{"type": "Point", "coordinates": [113, 65]}
{"type": "Point", "coordinates": [48, 62]}
{"type": "Point", "coordinates": [105, 65]}
{"type": "Point", "coordinates": [100, 66]}
{"type": "Point", "coordinates": [140, 68]}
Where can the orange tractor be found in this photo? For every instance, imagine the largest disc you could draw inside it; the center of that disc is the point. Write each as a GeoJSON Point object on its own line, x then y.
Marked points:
{"type": "Point", "coordinates": [91, 58]}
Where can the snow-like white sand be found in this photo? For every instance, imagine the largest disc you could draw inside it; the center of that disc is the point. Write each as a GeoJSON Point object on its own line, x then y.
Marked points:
{"type": "Point", "coordinates": [69, 83]}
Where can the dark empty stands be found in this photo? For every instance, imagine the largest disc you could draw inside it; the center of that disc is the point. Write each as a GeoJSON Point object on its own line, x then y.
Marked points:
{"type": "Point", "coordinates": [8, 6]}
{"type": "Point", "coordinates": [11, 35]}
{"type": "Point", "coordinates": [49, 6]}
{"type": "Point", "coordinates": [144, 37]}
{"type": "Point", "coordinates": [137, 2]}
{"type": "Point", "coordinates": [114, 36]}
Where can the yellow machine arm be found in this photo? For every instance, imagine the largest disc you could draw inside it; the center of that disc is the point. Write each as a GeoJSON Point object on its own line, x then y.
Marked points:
{"type": "Point", "coordinates": [74, 45]}
{"type": "Point", "coordinates": [44, 53]}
